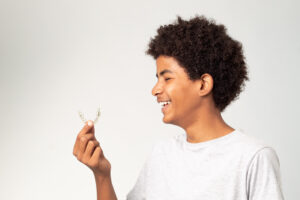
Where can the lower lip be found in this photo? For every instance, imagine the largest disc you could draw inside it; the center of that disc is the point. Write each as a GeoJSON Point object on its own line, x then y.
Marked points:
{"type": "Point", "coordinates": [165, 108]}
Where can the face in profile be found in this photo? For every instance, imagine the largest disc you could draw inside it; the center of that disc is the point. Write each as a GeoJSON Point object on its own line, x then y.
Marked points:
{"type": "Point", "coordinates": [179, 94]}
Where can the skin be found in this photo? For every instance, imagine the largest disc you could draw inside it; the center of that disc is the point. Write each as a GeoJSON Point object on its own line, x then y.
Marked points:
{"type": "Point", "coordinates": [192, 107]}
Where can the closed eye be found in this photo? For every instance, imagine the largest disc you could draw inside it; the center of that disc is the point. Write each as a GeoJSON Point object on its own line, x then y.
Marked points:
{"type": "Point", "coordinates": [167, 79]}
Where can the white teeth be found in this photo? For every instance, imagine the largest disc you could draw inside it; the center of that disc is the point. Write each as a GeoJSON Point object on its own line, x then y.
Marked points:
{"type": "Point", "coordinates": [163, 103]}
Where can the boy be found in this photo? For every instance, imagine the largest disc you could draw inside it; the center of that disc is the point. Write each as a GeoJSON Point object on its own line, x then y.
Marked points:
{"type": "Point", "coordinates": [200, 71]}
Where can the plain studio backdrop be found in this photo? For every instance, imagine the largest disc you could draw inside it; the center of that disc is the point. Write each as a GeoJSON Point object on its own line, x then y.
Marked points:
{"type": "Point", "coordinates": [61, 56]}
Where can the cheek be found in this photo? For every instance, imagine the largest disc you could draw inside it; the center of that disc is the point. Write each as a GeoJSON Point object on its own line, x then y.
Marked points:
{"type": "Point", "coordinates": [188, 102]}
{"type": "Point", "coordinates": [183, 98]}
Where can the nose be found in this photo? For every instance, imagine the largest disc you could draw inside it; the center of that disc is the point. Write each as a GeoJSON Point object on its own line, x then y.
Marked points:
{"type": "Point", "coordinates": [156, 89]}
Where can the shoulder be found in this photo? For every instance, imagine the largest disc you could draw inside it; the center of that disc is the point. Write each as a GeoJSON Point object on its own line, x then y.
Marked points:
{"type": "Point", "coordinates": [248, 139]}
{"type": "Point", "coordinates": [247, 143]}
{"type": "Point", "coordinates": [241, 144]}
{"type": "Point", "coordinates": [255, 150]}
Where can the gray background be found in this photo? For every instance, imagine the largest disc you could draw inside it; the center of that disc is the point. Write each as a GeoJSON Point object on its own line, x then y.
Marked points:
{"type": "Point", "coordinates": [59, 56]}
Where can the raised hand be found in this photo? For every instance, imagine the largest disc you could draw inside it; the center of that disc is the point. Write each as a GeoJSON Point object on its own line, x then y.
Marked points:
{"type": "Point", "coordinates": [88, 151]}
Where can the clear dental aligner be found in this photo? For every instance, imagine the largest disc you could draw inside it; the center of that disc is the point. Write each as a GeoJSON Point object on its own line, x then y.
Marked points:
{"type": "Point", "coordinates": [95, 120]}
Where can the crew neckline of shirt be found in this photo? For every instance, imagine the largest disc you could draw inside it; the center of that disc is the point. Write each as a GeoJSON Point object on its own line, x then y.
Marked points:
{"type": "Point", "coordinates": [198, 145]}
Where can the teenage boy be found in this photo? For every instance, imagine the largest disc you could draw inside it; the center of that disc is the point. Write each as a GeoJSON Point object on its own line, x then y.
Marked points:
{"type": "Point", "coordinates": [200, 71]}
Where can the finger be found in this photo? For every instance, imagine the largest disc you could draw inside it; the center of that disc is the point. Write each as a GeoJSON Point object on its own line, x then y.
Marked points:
{"type": "Point", "coordinates": [90, 149]}
{"type": "Point", "coordinates": [88, 136]}
{"type": "Point", "coordinates": [88, 128]}
{"type": "Point", "coordinates": [82, 147]}
{"type": "Point", "coordinates": [94, 161]}
{"type": "Point", "coordinates": [96, 155]}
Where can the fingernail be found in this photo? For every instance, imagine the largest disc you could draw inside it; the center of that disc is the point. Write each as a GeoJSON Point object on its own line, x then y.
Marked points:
{"type": "Point", "coordinates": [90, 123]}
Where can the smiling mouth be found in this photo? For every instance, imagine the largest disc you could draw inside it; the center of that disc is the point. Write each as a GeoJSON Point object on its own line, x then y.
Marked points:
{"type": "Point", "coordinates": [165, 107]}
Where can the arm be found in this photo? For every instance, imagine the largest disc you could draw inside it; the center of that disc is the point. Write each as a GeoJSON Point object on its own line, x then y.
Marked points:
{"type": "Point", "coordinates": [88, 151]}
{"type": "Point", "coordinates": [105, 189]}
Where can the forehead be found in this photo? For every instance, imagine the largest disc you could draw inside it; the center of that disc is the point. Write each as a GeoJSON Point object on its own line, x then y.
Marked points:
{"type": "Point", "coordinates": [168, 65]}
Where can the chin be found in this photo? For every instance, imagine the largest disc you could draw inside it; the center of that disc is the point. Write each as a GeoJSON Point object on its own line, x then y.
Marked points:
{"type": "Point", "coordinates": [167, 120]}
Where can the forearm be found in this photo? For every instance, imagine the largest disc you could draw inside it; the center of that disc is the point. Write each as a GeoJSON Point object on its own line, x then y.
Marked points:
{"type": "Point", "coordinates": [105, 189]}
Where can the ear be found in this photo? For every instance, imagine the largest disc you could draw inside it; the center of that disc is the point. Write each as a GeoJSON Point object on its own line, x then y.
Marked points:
{"type": "Point", "coordinates": [206, 83]}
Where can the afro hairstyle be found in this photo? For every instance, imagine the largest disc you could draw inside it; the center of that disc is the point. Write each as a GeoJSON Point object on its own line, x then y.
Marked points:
{"type": "Point", "coordinates": [201, 46]}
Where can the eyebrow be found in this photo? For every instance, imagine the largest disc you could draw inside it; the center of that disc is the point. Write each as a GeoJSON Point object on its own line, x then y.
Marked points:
{"type": "Point", "coordinates": [163, 72]}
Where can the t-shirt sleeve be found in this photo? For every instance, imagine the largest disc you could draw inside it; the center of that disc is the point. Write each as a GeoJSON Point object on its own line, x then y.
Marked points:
{"type": "Point", "coordinates": [263, 177]}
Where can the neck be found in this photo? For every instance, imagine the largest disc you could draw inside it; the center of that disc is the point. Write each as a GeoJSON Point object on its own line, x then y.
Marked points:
{"type": "Point", "coordinates": [207, 124]}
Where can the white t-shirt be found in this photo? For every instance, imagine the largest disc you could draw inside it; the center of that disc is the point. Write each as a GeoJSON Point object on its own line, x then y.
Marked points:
{"type": "Point", "coordinates": [232, 167]}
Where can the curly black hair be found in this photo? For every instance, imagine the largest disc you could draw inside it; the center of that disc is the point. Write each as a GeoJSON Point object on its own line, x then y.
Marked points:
{"type": "Point", "coordinates": [201, 46]}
